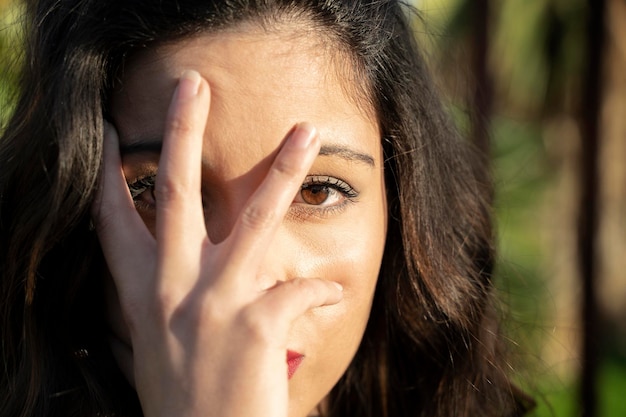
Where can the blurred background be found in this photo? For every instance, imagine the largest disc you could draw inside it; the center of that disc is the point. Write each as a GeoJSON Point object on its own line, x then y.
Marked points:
{"type": "Point", "coordinates": [539, 86]}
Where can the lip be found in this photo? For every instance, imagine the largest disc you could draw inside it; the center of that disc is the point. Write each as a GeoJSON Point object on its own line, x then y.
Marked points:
{"type": "Point", "coordinates": [294, 359]}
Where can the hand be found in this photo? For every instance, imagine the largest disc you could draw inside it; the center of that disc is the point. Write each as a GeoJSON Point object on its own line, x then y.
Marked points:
{"type": "Point", "coordinates": [206, 340]}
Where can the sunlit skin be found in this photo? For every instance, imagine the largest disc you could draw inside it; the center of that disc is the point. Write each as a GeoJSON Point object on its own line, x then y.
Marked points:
{"type": "Point", "coordinates": [257, 87]}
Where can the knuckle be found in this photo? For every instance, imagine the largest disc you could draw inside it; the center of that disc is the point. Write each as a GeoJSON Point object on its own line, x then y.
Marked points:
{"type": "Point", "coordinates": [212, 311]}
{"type": "Point", "coordinates": [286, 168]}
{"type": "Point", "coordinates": [299, 284]}
{"type": "Point", "coordinates": [304, 286]}
{"type": "Point", "coordinates": [256, 325]}
{"type": "Point", "coordinates": [163, 304]}
{"type": "Point", "coordinates": [178, 125]}
{"type": "Point", "coordinates": [167, 189]}
{"type": "Point", "coordinates": [309, 291]}
{"type": "Point", "coordinates": [258, 218]}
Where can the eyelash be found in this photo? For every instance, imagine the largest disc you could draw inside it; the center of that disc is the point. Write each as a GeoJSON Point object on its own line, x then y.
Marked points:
{"type": "Point", "coordinates": [332, 182]}
{"type": "Point", "coordinates": [141, 185]}
{"type": "Point", "coordinates": [349, 194]}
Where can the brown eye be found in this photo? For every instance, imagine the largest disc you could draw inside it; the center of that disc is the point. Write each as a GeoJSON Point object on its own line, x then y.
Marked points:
{"type": "Point", "coordinates": [315, 194]}
{"type": "Point", "coordinates": [324, 192]}
{"type": "Point", "coordinates": [146, 198]}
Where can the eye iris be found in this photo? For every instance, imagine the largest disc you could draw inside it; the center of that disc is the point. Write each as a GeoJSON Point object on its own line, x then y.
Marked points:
{"type": "Point", "coordinates": [315, 194]}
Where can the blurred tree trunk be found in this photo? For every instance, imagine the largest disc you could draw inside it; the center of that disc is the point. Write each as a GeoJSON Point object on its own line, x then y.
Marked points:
{"type": "Point", "coordinates": [481, 91]}
{"type": "Point", "coordinates": [589, 207]}
{"type": "Point", "coordinates": [612, 284]}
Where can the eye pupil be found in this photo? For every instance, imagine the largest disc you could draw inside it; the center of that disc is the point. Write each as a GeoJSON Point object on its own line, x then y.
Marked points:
{"type": "Point", "coordinates": [315, 194]}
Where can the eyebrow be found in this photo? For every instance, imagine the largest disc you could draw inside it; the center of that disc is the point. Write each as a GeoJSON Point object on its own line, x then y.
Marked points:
{"type": "Point", "coordinates": [347, 154]}
{"type": "Point", "coordinates": [341, 151]}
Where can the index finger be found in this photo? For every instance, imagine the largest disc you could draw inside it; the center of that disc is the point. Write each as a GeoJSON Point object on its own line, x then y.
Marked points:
{"type": "Point", "coordinates": [268, 205]}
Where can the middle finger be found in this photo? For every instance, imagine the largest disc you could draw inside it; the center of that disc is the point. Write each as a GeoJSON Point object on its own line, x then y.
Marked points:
{"type": "Point", "coordinates": [268, 205]}
{"type": "Point", "coordinates": [180, 218]}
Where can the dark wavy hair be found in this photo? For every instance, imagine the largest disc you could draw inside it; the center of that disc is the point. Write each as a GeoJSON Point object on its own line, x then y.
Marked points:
{"type": "Point", "coordinates": [432, 346]}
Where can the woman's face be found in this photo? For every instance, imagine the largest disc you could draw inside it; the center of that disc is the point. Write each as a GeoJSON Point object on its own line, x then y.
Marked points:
{"type": "Point", "coordinates": [263, 83]}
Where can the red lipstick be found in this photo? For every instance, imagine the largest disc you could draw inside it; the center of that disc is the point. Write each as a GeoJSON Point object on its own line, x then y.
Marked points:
{"type": "Point", "coordinates": [294, 359]}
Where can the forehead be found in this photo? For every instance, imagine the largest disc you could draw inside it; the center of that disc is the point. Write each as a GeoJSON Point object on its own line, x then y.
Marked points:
{"type": "Point", "coordinates": [262, 82]}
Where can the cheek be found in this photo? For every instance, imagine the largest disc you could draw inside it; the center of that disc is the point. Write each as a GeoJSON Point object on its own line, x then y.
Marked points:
{"type": "Point", "coordinates": [350, 254]}
{"type": "Point", "coordinates": [354, 261]}
{"type": "Point", "coordinates": [348, 251]}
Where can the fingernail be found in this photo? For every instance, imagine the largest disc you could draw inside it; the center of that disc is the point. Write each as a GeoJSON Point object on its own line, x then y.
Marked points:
{"type": "Point", "coordinates": [188, 84]}
{"type": "Point", "coordinates": [303, 135]}
{"type": "Point", "coordinates": [338, 285]}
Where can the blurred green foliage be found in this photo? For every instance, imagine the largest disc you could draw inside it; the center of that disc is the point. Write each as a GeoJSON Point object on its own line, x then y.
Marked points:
{"type": "Point", "coordinates": [559, 398]}
{"type": "Point", "coordinates": [10, 55]}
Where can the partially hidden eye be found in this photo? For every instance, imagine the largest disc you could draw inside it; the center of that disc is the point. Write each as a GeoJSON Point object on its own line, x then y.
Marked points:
{"type": "Point", "coordinates": [142, 191]}
{"type": "Point", "coordinates": [325, 191]}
